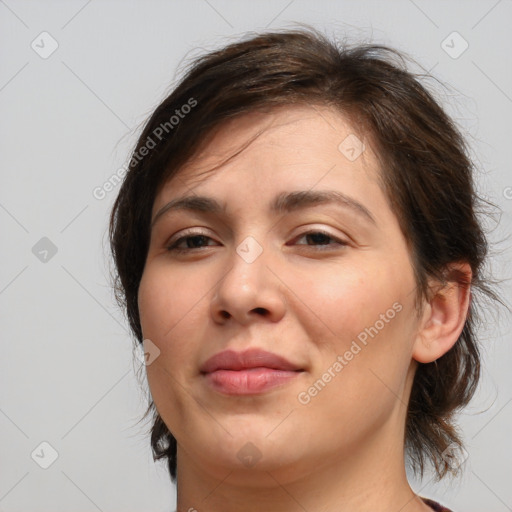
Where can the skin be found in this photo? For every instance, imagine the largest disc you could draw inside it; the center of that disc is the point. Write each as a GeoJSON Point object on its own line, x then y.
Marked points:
{"type": "Point", "coordinates": [304, 298]}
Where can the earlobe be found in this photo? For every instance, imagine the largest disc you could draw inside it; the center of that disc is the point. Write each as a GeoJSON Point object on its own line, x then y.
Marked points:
{"type": "Point", "coordinates": [444, 315]}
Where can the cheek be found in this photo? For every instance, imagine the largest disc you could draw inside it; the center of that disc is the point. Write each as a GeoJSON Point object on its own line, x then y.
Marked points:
{"type": "Point", "coordinates": [360, 373]}
{"type": "Point", "coordinates": [166, 298]}
{"type": "Point", "coordinates": [171, 306]}
{"type": "Point", "coordinates": [347, 298]}
{"type": "Point", "coordinates": [364, 315]}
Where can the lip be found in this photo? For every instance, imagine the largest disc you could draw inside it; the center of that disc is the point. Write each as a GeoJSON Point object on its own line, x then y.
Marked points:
{"type": "Point", "coordinates": [249, 372]}
{"type": "Point", "coordinates": [251, 358]}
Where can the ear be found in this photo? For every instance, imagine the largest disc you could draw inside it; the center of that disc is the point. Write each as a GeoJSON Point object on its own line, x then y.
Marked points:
{"type": "Point", "coordinates": [444, 314]}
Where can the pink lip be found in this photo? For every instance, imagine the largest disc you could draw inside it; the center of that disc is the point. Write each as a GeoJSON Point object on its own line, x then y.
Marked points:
{"type": "Point", "coordinates": [249, 372]}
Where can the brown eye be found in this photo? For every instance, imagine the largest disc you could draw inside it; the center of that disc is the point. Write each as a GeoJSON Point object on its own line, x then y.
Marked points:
{"type": "Point", "coordinates": [321, 238]}
{"type": "Point", "coordinates": [189, 243]}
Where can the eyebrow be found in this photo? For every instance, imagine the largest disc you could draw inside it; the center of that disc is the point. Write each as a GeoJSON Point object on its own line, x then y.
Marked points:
{"type": "Point", "coordinates": [285, 202]}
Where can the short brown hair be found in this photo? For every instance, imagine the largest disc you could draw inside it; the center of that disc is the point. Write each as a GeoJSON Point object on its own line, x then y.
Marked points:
{"type": "Point", "coordinates": [426, 173]}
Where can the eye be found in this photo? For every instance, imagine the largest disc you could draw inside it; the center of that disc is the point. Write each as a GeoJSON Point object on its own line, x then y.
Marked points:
{"type": "Point", "coordinates": [322, 240]}
{"type": "Point", "coordinates": [191, 241]}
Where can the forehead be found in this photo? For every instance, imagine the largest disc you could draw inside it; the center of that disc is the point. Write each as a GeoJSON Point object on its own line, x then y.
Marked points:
{"type": "Point", "coordinates": [292, 139]}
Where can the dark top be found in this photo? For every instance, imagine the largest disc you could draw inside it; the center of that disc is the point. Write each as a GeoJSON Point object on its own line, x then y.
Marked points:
{"type": "Point", "coordinates": [435, 506]}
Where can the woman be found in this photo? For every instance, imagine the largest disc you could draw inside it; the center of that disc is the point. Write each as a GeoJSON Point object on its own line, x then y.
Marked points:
{"type": "Point", "coordinates": [296, 247]}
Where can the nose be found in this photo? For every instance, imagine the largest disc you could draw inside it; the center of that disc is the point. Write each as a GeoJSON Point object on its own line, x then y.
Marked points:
{"type": "Point", "coordinates": [249, 291]}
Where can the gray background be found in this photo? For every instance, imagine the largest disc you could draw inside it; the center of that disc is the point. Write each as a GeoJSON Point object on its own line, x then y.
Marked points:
{"type": "Point", "coordinates": [68, 121]}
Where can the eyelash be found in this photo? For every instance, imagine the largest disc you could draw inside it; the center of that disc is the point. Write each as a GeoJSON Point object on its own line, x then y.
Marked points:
{"type": "Point", "coordinates": [174, 246]}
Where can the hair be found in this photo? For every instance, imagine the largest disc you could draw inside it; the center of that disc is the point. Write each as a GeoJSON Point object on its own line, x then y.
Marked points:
{"type": "Point", "coordinates": [426, 172]}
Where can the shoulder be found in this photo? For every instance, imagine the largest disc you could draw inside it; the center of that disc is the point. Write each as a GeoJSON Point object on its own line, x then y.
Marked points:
{"type": "Point", "coordinates": [435, 506]}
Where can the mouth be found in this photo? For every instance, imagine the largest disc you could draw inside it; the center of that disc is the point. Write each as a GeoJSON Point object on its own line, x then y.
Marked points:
{"type": "Point", "coordinates": [250, 372]}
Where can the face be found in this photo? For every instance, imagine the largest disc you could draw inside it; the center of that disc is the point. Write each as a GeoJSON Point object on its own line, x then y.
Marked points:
{"type": "Point", "coordinates": [295, 251]}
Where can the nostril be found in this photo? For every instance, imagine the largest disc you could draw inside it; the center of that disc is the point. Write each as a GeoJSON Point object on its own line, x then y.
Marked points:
{"type": "Point", "coordinates": [225, 314]}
